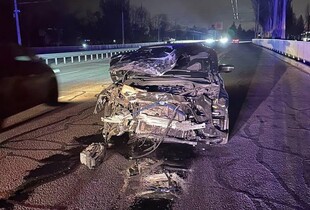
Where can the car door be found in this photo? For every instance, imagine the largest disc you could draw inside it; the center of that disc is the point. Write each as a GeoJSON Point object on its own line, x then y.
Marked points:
{"type": "Point", "coordinates": [8, 84]}
{"type": "Point", "coordinates": [32, 80]}
{"type": "Point", "coordinates": [24, 80]}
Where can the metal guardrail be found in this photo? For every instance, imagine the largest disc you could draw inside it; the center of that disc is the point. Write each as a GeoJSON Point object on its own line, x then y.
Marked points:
{"type": "Point", "coordinates": [62, 49]}
{"type": "Point", "coordinates": [72, 54]}
{"type": "Point", "coordinates": [72, 57]}
{"type": "Point", "coordinates": [298, 50]}
{"type": "Point", "coordinates": [80, 54]}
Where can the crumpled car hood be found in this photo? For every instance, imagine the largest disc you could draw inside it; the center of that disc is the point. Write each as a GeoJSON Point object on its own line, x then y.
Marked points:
{"type": "Point", "coordinates": [147, 61]}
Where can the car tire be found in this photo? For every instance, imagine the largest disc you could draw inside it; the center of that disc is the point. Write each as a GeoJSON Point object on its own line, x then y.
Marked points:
{"type": "Point", "coordinates": [52, 97]}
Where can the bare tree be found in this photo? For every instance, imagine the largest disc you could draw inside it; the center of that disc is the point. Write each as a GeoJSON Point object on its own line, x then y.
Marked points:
{"type": "Point", "coordinates": [263, 10]}
{"type": "Point", "coordinates": [307, 17]}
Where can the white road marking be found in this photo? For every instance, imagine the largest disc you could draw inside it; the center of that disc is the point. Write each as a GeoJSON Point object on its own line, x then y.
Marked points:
{"type": "Point", "coordinates": [71, 72]}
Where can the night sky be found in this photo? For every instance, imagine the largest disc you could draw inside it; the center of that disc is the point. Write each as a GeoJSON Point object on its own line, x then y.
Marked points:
{"type": "Point", "coordinates": [200, 12]}
{"type": "Point", "coordinates": [205, 12]}
{"type": "Point", "coordinates": [184, 12]}
{"type": "Point", "coordinates": [194, 12]}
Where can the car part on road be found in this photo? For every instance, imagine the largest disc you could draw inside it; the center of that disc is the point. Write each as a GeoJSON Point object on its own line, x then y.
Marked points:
{"type": "Point", "coordinates": [156, 179]}
{"type": "Point", "coordinates": [93, 155]}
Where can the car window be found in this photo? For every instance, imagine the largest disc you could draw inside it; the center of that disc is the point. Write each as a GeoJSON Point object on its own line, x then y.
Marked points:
{"type": "Point", "coordinates": [13, 52]}
{"type": "Point", "coordinates": [16, 60]}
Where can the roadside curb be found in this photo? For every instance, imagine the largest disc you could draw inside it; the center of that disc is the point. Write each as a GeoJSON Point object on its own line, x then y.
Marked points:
{"type": "Point", "coordinates": [291, 61]}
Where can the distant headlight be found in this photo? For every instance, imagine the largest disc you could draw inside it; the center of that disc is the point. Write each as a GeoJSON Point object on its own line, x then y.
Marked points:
{"type": "Point", "coordinates": [224, 40]}
{"type": "Point", "coordinates": [84, 45]}
{"type": "Point", "coordinates": [210, 41]}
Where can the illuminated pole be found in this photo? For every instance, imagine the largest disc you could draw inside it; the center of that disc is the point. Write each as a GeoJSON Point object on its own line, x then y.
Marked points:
{"type": "Point", "coordinates": [123, 28]}
{"type": "Point", "coordinates": [175, 29]}
{"type": "Point", "coordinates": [275, 19]}
{"type": "Point", "coordinates": [16, 11]}
{"type": "Point", "coordinates": [283, 34]}
{"type": "Point", "coordinates": [257, 19]}
{"type": "Point", "coordinates": [158, 30]}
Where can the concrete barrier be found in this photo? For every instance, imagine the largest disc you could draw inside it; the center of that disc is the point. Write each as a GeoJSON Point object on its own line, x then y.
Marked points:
{"type": "Point", "coordinates": [298, 50]}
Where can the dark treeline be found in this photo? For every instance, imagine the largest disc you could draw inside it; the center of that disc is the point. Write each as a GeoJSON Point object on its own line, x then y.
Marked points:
{"type": "Point", "coordinates": [55, 23]}
{"type": "Point", "coordinates": [52, 23]}
{"type": "Point", "coordinates": [7, 27]}
{"type": "Point", "coordinates": [294, 25]}
{"type": "Point", "coordinates": [240, 33]}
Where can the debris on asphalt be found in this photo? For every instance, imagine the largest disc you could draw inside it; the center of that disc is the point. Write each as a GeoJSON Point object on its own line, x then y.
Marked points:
{"type": "Point", "coordinates": [93, 155]}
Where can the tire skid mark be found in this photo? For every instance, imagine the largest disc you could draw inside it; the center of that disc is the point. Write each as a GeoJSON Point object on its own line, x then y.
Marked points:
{"type": "Point", "coordinates": [293, 115]}
{"type": "Point", "coordinates": [51, 168]}
{"type": "Point", "coordinates": [78, 95]}
{"type": "Point", "coordinates": [66, 163]}
{"type": "Point", "coordinates": [287, 151]}
{"type": "Point", "coordinates": [306, 173]}
{"type": "Point", "coordinates": [222, 181]}
{"type": "Point", "coordinates": [295, 109]}
{"type": "Point", "coordinates": [46, 126]}
{"type": "Point", "coordinates": [22, 156]}
{"type": "Point", "coordinates": [28, 149]}
{"type": "Point", "coordinates": [39, 140]}
{"type": "Point", "coordinates": [300, 128]}
{"type": "Point", "coordinates": [258, 206]}
{"type": "Point", "coordinates": [259, 158]}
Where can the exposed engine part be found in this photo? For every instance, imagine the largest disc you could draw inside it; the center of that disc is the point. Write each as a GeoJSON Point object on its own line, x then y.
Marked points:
{"type": "Point", "coordinates": [93, 155]}
{"type": "Point", "coordinates": [157, 179]}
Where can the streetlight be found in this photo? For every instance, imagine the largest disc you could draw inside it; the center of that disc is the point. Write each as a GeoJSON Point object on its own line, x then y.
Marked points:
{"type": "Point", "coordinates": [16, 11]}
{"type": "Point", "coordinates": [123, 30]}
{"type": "Point", "coordinates": [16, 16]}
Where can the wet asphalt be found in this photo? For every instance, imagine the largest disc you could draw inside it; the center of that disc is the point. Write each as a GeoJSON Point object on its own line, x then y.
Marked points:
{"type": "Point", "coordinates": [265, 165]}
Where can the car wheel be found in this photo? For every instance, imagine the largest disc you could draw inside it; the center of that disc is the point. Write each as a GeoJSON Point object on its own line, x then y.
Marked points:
{"type": "Point", "coordinates": [52, 97]}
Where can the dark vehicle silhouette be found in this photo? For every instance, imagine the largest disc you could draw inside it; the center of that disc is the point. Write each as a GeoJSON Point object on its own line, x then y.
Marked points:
{"type": "Point", "coordinates": [25, 81]}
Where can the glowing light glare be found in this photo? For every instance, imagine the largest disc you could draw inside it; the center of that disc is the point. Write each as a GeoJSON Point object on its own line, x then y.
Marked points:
{"type": "Point", "coordinates": [210, 41]}
{"type": "Point", "coordinates": [224, 40]}
{"type": "Point", "coordinates": [84, 45]}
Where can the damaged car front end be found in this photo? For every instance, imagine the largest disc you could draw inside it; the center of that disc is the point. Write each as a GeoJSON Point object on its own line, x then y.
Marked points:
{"type": "Point", "coordinates": [170, 93]}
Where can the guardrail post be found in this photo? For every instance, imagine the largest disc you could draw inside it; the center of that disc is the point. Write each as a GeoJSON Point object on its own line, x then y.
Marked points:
{"type": "Point", "coordinates": [97, 56]}
{"type": "Point", "coordinates": [56, 62]}
{"type": "Point", "coordinates": [46, 61]}
{"type": "Point", "coordinates": [91, 57]}
{"type": "Point", "coordinates": [71, 59]}
{"type": "Point", "coordinates": [64, 60]}
{"type": "Point", "coordinates": [85, 57]}
{"type": "Point", "coordinates": [106, 55]}
{"type": "Point", "coordinates": [79, 58]}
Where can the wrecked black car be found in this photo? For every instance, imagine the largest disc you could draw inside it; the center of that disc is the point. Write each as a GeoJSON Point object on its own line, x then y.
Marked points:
{"type": "Point", "coordinates": [169, 93]}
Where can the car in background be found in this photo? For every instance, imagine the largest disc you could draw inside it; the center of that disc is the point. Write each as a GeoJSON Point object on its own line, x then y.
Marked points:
{"type": "Point", "coordinates": [305, 36]}
{"type": "Point", "coordinates": [170, 93]}
{"type": "Point", "coordinates": [25, 81]}
{"type": "Point", "coordinates": [235, 41]}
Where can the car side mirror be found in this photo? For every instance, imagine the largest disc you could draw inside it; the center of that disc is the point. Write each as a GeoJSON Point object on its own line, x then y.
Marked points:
{"type": "Point", "coordinates": [225, 68]}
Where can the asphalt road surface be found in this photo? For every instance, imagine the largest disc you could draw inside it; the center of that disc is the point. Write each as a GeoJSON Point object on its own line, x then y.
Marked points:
{"type": "Point", "coordinates": [265, 165]}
